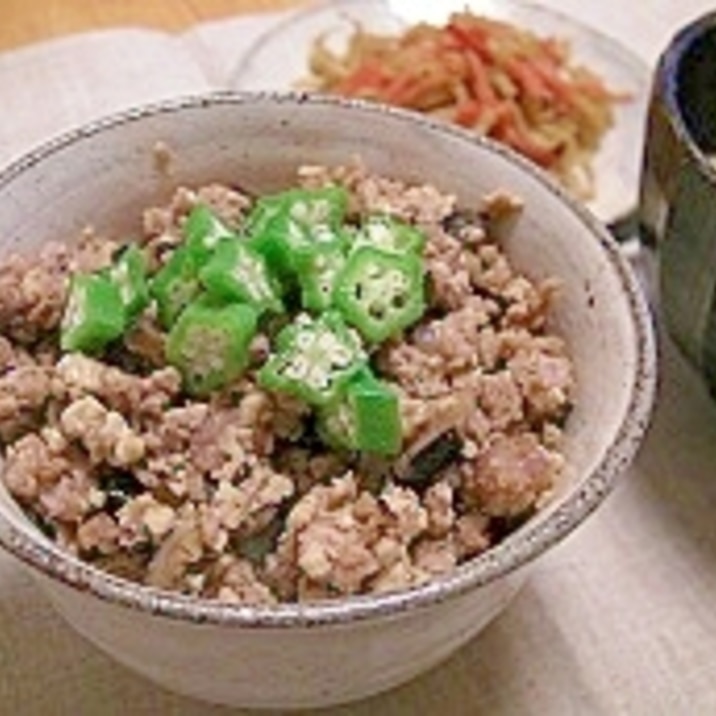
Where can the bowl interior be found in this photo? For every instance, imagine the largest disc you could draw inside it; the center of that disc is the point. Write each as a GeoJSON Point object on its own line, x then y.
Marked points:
{"type": "Point", "coordinates": [106, 174]}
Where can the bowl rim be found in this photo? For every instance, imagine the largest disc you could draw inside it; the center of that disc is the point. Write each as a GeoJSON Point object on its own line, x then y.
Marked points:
{"type": "Point", "coordinates": [516, 551]}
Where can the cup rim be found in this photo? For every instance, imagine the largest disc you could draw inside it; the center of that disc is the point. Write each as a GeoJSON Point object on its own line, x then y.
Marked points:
{"type": "Point", "coordinates": [668, 71]}
{"type": "Point", "coordinates": [514, 552]}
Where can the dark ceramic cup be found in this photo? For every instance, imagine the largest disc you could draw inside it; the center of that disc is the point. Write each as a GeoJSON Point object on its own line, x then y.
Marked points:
{"type": "Point", "coordinates": [678, 191]}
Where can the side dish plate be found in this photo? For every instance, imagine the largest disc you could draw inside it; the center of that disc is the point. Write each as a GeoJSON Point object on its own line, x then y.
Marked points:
{"type": "Point", "coordinates": [279, 60]}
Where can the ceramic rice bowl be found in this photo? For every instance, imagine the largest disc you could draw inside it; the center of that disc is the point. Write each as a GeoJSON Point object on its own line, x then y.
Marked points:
{"type": "Point", "coordinates": [316, 654]}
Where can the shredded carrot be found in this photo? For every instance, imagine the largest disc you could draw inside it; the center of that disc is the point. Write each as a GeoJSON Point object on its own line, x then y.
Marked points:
{"type": "Point", "coordinates": [468, 112]}
{"type": "Point", "coordinates": [366, 77]}
{"type": "Point", "coordinates": [482, 89]}
{"type": "Point", "coordinates": [486, 75]}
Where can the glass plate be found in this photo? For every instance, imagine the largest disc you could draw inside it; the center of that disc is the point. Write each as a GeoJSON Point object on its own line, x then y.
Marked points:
{"type": "Point", "coordinates": [278, 60]}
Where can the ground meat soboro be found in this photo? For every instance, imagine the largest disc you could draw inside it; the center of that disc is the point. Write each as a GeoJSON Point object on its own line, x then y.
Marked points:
{"type": "Point", "coordinates": [230, 495]}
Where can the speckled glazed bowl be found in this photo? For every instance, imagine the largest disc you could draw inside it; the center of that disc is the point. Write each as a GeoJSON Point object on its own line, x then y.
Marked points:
{"type": "Point", "coordinates": [323, 653]}
{"type": "Point", "coordinates": [678, 192]}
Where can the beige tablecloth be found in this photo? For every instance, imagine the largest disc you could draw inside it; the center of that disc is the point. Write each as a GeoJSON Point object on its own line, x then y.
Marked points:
{"type": "Point", "coordinates": [620, 619]}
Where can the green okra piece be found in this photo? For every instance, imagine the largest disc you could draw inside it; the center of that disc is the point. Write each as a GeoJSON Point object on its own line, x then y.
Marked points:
{"type": "Point", "coordinates": [94, 314]}
{"type": "Point", "coordinates": [209, 344]}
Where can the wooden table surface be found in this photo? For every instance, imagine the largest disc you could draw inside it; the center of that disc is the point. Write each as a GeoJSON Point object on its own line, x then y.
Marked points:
{"type": "Point", "coordinates": [26, 21]}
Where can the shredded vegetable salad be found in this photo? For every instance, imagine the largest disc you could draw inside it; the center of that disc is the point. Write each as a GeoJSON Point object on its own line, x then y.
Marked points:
{"type": "Point", "coordinates": [487, 75]}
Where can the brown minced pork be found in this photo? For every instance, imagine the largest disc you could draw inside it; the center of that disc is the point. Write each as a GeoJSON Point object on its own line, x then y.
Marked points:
{"type": "Point", "coordinates": [226, 498]}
